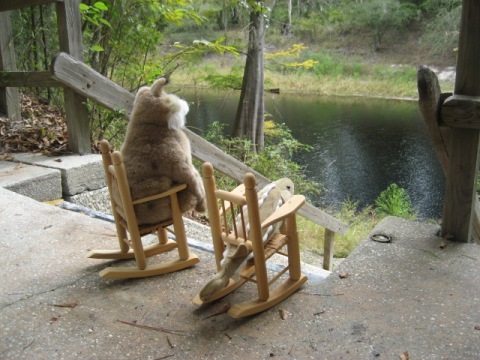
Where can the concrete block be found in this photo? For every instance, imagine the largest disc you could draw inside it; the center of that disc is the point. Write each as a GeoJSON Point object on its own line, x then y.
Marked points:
{"type": "Point", "coordinates": [80, 173]}
{"type": "Point", "coordinates": [36, 182]}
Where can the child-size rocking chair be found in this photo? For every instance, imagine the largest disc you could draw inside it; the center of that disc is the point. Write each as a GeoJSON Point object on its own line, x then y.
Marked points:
{"type": "Point", "coordinates": [235, 222]}
{"type": "Point", "coordinates": [126, 224]}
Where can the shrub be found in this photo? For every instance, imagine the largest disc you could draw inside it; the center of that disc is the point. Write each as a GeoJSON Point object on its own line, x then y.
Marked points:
{"type": "Point", "coordinates": [395, 201]}
{"type": "Point", "coordinates": [274, 162]}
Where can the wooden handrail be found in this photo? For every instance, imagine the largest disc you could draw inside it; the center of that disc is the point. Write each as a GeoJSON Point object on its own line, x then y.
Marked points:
{"type": "Point", "coordinates": [89, 83]}
{"type": "Point", "coordinates": [6, 5]}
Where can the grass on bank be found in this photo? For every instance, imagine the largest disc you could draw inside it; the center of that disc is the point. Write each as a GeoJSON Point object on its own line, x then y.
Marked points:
{"type": "Point", "coordinates": [330, 76]}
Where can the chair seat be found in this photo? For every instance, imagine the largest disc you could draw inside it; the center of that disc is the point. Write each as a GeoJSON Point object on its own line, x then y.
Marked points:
{"type": "Point", "coordinates": [147, 228]}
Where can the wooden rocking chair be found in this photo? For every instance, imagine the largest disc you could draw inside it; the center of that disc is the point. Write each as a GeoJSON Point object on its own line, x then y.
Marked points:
{"type": "Point", "coordinates": [126, 222]}
{"type": "Point", "coordinates": [229, 210]}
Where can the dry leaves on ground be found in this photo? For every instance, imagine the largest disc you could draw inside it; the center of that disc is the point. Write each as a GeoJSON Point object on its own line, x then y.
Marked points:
{"type": "Point", "coordinates": [42, 129]}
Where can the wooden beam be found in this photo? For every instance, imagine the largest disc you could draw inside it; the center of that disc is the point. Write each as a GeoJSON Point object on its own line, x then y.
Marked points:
{"type": "Point", "coordinates": [462, 170]}
{"type": "Point", "coordinates": [6, 5]}
{"type": "Point", "coordinates": [431, 101]}
{"type": "Point", "coordinates": [461, 111]}
{"type": "Point", "coordinates": [9, 97]}
{"type": "Point", "coordinates": [28, 79]}
{"type": "Point", "coordinates": [89, 83]}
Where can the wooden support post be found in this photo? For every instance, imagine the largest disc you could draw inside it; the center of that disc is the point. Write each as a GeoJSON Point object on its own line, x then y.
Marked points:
{"type": "Point", "coordinates": [9, 96]}
{"type": "Point", "coordinates": [463, 143]}
{"type": "Point", "coordinates": [328, 250]}
{"type": "Point", "coordinates": [70, 35]}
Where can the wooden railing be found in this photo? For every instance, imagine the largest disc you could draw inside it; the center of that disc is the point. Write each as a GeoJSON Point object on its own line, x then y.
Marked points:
{"type": "Point", "coordinates": [92, 85]}
{"type": "Point", "coordinates": [453, 121]}
{"type": "Point", "coordinates": [70, 40]}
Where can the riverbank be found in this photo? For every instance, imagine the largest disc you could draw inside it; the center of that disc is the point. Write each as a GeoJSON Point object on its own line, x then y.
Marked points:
{"type": "Point", "coordinates": [339, 77]}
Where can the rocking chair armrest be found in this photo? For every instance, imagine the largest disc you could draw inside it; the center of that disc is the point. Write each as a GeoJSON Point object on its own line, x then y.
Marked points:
{"type": "Point", "coordinates": [169, 192]}
{"type": "Point", "coordinates": [290, 207]}
{"type": "Point", "coordinates": [240, 190]}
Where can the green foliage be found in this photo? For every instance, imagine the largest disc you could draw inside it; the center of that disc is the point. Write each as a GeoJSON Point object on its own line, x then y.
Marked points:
{"type": "Point", "coordinates": [93, 14]}
{"type": "Point", "coordinates": [433, 8]}
{"type": "Point", "coordinates": [379, 16]}
{"type": "Point", "coordinates": [441, 36]}
{"type": "Point", "coordinates": [274, 162]}
{"type": "Point", "coordinates": [360, 223]}
{"type": "Point", "coordinates": [395, 201]}
{"type": "Point", "coordinates": [225, 82]}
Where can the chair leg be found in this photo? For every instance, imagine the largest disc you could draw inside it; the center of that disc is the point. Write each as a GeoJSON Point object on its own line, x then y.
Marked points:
{"type": "Point", "coordinates": [162, 235]}
{"type": "Point", "coordinates": [294, 267]}
{"type": "Point", "coordinates": [122, 237]}
{"type": "Point", "coordinates": [138, 249]}
{"type": "Point", "coordinates": [179, 229]}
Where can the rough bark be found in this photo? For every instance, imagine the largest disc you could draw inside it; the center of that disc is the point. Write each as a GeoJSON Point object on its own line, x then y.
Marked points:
{"type": "Point", "coordinates": [250, 112]}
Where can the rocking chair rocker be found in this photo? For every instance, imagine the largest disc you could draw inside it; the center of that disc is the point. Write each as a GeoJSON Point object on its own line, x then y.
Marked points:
{"type": "Point", "coordinates": [126, 222]}
{"type": "Point", "coordinates": [228, 213]}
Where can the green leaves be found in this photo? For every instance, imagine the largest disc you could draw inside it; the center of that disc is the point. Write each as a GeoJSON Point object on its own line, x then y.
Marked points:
{"type": "Point", "coordinates": [94, 13]}
{"type": "Point", "coordinates": [395, 201]}
{"type": "Point", "coordinates": [205, 46]}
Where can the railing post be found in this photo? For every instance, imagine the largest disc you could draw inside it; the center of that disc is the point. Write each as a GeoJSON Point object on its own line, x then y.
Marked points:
{"type": "Point", "coordinates": [70, 36]}
{"type": "Point", "coordinates": [463, 161]}
{"type": "Point", "coordinates": [328, 250]}
{"type": "Point", "coordinates": [9, 96]}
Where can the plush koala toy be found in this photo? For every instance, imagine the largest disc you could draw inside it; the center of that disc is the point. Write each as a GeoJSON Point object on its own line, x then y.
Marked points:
{"type": "Point", "coordinates": [157, 154]}
{"type": "Point", "coordinates": [270, 198]}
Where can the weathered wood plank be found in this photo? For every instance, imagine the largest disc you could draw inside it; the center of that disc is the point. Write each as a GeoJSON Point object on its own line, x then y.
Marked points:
{"type": "Point", "coordinates": [460, 185]}
{"type": "Point", "coordinates": [9, 97]}
{"type": "Point", "coordinates": [328, 250]}
{"type": "Point", "coordinates": [430, 102]}
{"type": "Point", "coordinates": [6, 5]}
{"type": "Point", "coordinates": [70, 36]}
{"type": "Point", "coordinates": [87, 82]}
{"type": "Point", "coordinates": [28, 79]}
{"type": "Point", "coordinates": [93, 85]}
{"type": "Point", "coordinates": [463, 164]}
{"type": "Point", "coordinates": [461, 111]}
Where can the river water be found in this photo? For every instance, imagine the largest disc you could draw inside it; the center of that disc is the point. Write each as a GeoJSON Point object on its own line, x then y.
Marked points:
{"type": "Point", "coordinates": [360, 146]}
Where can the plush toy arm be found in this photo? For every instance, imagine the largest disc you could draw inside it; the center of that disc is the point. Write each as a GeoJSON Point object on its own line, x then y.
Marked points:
{"type": "Point", "coordinates": [186, 173]}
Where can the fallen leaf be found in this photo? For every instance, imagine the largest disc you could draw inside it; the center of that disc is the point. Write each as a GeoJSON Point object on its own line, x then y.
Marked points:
{"type": "Point", "coordinates": [477, 327]}
{"type": "Point", "coordinates": [404, 356]}
{"type": "Point", "coordinates": [283, 313]}
{"type": "Point", "coordinates": [72, 305]}
{"type": "Point", "coordinates": [443, 245]}
{"type": "Point", "coordinates": [217, 311]}
{"type": "Point", "coordinates": [343, 275]}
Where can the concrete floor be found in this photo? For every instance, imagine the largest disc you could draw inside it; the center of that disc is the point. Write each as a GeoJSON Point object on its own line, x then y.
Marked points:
{"type": "Point", "coordinates": [412, 295]}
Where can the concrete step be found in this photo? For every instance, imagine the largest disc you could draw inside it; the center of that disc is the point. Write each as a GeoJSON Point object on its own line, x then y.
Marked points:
{"type": "Point", "coordinates": [36, 182]}
{"type": "Point", "coordinates": [48, 178]}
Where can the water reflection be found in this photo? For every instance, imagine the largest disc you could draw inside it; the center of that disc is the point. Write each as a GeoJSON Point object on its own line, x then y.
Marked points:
{"type": "Point", "coordinates": [360, 146]}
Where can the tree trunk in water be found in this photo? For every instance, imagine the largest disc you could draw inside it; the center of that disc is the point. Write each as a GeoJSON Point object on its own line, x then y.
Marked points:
{"type": "Point", "coordinates": [249, 119]}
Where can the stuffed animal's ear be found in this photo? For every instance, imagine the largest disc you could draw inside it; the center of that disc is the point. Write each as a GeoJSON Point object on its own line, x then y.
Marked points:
{"type": "Point", "coordinates": [158, 86]}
